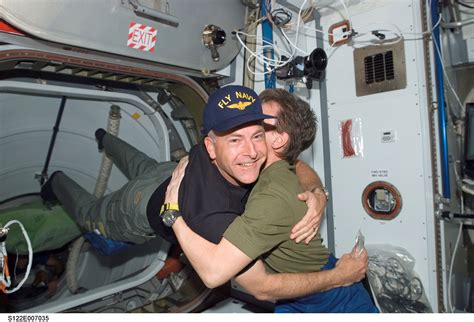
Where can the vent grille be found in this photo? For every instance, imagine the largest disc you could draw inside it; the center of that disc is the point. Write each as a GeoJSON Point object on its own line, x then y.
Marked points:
{"type": "Point", "coordinates": [379, 67]}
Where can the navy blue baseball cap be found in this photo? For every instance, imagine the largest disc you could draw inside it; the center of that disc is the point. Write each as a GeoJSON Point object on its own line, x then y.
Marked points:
{"type": "Point", "coordinates": [231, 106]}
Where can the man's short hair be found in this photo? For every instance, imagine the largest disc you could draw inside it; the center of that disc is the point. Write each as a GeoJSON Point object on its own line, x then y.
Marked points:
{"type": "Point", "coordinates": [295, 118]}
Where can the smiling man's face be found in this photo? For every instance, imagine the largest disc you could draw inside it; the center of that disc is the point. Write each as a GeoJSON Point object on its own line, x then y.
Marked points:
{"type": "Point", "coordinates": [238, 154]}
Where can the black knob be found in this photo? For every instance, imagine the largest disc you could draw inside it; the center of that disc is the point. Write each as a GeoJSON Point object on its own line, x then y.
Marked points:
{"type": "Point", "coordinates": [218, 36]}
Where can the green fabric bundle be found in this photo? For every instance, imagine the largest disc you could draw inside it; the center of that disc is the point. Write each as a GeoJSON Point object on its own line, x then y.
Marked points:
{"type": "Point", "coordinates": [47, 228]}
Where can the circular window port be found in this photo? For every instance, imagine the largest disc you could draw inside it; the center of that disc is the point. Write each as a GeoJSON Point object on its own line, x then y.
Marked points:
{"type": "Point", "coordinates": [381, 200]}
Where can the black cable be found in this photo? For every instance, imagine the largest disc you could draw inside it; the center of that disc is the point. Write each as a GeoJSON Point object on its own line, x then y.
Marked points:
{"type": "Point", "coordinates": [53, 139]}
{"type": "Point", "coordinates": [281, 17]}
{"type": "Point", "coordinates": [378, 34]}
{"type": "Point", "coordinates": [463, 216]}
{"type": "Point", "coordinates": [18, 197]}
{"type": "Point", "coordinates": [450, 215]}
{"type": "Point", "coordinates": [464, 4]}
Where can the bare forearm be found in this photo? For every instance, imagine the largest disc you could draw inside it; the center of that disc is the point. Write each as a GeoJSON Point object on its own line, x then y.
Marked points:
{"type": "Point", "coordinates": [291, 285]}
{"type": "Point", "coordinates": [215, 264]}
{"type": "Point", "coordinates": [349, 269]}
{"type": "Point", "coordinates": [197, 250]}
{"type": "Point", "coordinates": [307, 177]}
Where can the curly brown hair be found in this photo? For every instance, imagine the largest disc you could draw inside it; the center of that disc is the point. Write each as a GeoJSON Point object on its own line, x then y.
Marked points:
{"type": "Point", "coordinates": [295, 118]}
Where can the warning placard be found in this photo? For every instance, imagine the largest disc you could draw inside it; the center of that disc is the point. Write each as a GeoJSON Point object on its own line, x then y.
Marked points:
{"type": "Point", "coordinates": [141, 37]}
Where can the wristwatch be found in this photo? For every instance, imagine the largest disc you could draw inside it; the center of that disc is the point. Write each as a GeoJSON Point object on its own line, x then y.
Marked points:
{"type": "Point", "coordinates": [169, 216]}
{"type": "Point", "coordinates": [323, 190]}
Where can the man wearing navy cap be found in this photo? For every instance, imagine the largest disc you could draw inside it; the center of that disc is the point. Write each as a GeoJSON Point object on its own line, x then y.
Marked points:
{"type": "Point", "coordinates": [213, 192]}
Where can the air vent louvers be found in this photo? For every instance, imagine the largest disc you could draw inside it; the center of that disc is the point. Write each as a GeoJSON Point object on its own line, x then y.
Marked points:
{"type": "Point", "coordinates": [380, 68]}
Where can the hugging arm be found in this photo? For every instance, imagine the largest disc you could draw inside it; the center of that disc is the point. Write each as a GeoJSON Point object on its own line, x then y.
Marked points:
{"type": "Point", "coordinates": [215, 264]}
{"type": "Point", "coordinates": [307, 177]}
{"type": "Point", "coordinates": [307, 228]}
{"type": "Point", "coordinates": [264, 286]}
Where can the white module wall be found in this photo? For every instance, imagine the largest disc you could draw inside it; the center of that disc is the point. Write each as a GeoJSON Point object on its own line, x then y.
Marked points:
{"type": "Point", "coordinates": [404, 162]}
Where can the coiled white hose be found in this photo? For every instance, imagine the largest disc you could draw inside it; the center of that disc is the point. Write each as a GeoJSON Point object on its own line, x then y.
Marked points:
{"type": "Point", "coordinates": [30, 256]}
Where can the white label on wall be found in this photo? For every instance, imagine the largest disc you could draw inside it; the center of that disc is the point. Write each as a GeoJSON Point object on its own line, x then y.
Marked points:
{"type": "Point", "coordinates": [379, 173]}
{"type": "Point", "coordinates": [388, 136]}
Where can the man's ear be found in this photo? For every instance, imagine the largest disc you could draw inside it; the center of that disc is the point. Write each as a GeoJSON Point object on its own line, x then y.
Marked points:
{"type": "Point", "coordinates": [211, 149]}
{"type": "Point", "coordinates": [280, 140]}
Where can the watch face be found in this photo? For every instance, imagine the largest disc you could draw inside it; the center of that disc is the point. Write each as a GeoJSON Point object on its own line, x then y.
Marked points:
{"type": "Point", "coordinates": [169, 217]}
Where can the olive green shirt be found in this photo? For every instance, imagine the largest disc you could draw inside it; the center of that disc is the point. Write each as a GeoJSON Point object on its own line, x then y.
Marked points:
{"type": "Point", "coordinates": [263, 230]}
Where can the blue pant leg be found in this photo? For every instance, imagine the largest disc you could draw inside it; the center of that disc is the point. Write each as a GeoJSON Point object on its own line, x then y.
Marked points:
{"type": "Point", "coordinates": [350, 299]}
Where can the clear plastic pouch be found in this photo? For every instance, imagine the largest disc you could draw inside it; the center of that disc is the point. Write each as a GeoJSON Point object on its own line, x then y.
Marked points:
{"type": "Point", "coordinates": [359, 245]}
{"type": "Point", "coordinates": [395, 285]}
{"type": "Point", "coordinates": [351, 140]}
